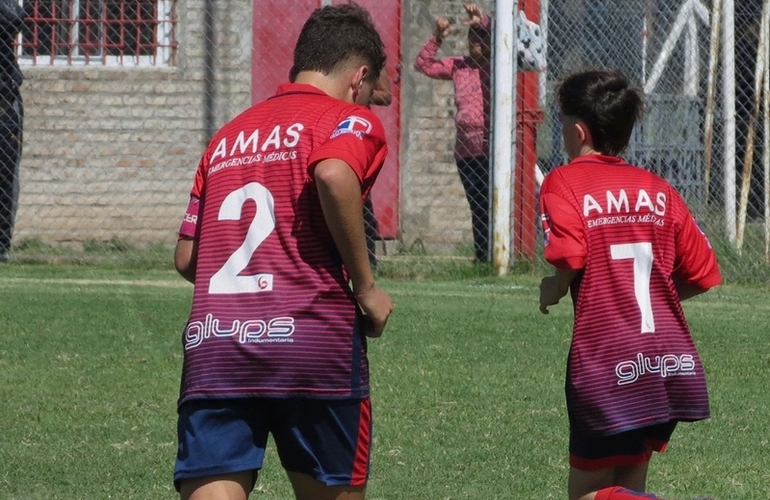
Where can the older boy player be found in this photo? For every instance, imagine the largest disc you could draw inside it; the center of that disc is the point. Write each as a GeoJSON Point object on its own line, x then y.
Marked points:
{"type": "Point", "coordinates": [623, 241]}
{"type": "Point", "coordinates": [274, 242]}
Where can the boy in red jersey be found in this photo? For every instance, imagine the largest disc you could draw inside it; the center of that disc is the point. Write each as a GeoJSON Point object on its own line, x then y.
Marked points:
{"type": "Point", "coordinates": [273, 240]}
{"type": "Point", "coordinates": [625, 245]}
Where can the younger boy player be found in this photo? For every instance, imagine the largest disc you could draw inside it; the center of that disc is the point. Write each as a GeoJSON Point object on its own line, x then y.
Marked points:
{"type": "Point", "coordinates": [273, 240]}
{"type": "Point", "coordinates": [624, 243]}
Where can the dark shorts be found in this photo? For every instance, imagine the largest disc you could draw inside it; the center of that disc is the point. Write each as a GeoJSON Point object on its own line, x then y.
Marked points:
{"type": "Point", "coordinates": [635, 447]}
{"type": "Point", "coordinates": [329, 440]}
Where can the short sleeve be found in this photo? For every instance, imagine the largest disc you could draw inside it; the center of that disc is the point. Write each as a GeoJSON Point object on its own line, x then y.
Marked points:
{"type": "Point", "coordinates": [358, 140]}
{"type": "Point", "coordinates": [696, 261]}
{"type": "Point", "coordinates": [189, 226]}
{"type": "Point", "coordinates": [563, 230]}
{"type": "Point", "coordinates": [200, 176]}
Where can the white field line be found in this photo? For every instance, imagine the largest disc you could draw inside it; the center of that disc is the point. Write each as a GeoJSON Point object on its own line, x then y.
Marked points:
{"type": "Point", "coordinates": [718, 300]}
{"type": "Point", "coordinates": [471, 291]}
{"type": "Point", "coordinates": [95, 282]}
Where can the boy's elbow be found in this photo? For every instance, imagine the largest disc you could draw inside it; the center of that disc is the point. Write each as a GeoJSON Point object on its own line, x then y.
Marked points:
{"type": "Point", "coordinates": [184, 259]}
{"type": "Point", "coordinates": [188, 272]}
{"type": "Point", "coordinates": [688, 290]}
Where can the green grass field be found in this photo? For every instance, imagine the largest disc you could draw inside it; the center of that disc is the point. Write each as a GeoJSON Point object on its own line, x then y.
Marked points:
{"type": "Point", "coordinates": [467, 390]}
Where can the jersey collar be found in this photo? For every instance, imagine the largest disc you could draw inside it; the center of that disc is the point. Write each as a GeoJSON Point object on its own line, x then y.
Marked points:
{"type": "Point", "coordinates": [613, 160]}
{"type": "Point", "coordinates": [298, 88]}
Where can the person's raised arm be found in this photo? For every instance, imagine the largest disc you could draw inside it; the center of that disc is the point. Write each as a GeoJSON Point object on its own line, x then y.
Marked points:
{"type": "Point", "coordinates": [476, 17]}
{"type": "Point", "coordinates": [426, 62]}
{"type": "Point", "coordinates": [339, 191]}
{"type": "Point", "coordinates": [442, 30]}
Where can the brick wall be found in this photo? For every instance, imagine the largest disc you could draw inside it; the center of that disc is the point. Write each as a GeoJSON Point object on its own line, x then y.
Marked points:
{"type": "Point", "coordinates": [435, 213]}
{"type": "Point", "coordinates": [110, 152]}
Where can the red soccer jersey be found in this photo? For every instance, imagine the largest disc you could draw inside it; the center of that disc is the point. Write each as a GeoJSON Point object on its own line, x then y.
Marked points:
{"type": "Point", "coordinates": [632, 361]}
{"type": "Point", "coordinates": [272, 312]}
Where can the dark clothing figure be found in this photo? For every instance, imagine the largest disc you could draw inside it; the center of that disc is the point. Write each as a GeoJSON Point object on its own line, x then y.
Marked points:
{"type": "Point", "coordinates": [371, 231]}
{"type": "Point", "coordinates": [11, 118]}
{"type": "Point", "coordinates": [474, 174]}
{"type": "Point", "coordinates": [471, 75]}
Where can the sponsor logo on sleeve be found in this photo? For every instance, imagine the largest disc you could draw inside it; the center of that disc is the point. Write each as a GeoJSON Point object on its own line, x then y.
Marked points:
{"type": "Point", "coordinates": [701, 232]}
{"type": "Point", "coordinates": [353, 125]}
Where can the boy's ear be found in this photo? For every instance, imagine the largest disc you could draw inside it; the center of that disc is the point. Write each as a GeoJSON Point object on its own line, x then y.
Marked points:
{"type": "Point", "coordinates": [358, 79]}
{"type": "Point", "coordinates": [359, 76]}
{"type": "Point", "coordinates": [583, 133]}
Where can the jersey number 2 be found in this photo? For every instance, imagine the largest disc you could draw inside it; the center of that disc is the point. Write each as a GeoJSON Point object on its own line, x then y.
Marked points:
{"type": "Point", "coordinates": [228, 279]}
{"type": "Point", "coordinates": [641, 253]}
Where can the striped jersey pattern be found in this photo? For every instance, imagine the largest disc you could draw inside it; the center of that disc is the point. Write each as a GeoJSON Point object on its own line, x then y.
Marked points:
{"type": "Point", "coordinates": [272, 312]}
{"type": "Point", "coordinates": [632, 361]}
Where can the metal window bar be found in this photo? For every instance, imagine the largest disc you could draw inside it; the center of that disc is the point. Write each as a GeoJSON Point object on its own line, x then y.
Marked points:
{"type": "Point", "coordinates": [86, 32]}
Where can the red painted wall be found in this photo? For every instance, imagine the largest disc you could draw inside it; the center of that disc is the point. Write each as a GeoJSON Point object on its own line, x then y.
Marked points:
{"type": "Point", "coordinates": [275, 30]}
{"type": "Point", "coordinates": [528, 116]}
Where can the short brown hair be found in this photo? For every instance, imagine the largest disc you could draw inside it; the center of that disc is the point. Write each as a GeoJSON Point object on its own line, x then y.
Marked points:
{"type": "Point", "coordinates": [605, 101]}
{"type": "Point", "coordinates": [334, 35]}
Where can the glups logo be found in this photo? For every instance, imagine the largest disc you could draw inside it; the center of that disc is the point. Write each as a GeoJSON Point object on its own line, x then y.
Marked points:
{"type": "Point", "coordinates": [668, 365]}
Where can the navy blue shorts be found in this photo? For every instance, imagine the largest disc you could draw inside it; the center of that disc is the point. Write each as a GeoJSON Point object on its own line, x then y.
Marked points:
{"type": "Point", "coordinates": [329, 440]}
{"type": "Point", "coordinates": [635, 447]}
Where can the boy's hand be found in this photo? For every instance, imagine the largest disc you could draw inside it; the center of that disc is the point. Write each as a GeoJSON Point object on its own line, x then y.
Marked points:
{"type": "Point", "coordinates": [443, 28]}
{"type": "Point", "coordinates": [475, 15]}
{"type": "Point", "coordinates": [550, 293]}
{"type": "Point", "coordinates": [377, 305]}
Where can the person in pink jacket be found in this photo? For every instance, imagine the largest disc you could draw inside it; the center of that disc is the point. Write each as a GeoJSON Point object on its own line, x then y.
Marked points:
{"type": "Point", "coordinates": [471, 75]}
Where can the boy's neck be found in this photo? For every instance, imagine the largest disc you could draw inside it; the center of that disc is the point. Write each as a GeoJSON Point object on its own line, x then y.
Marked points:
{"type": "Point", "coordinates": [326, 83]}
{"type": "Point", "coordinates": [587, 150]}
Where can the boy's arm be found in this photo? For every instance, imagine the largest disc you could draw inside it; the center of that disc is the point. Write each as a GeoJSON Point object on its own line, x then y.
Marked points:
{"type": "Point", "coordinates": [186, 252]}
{"type": "Point", "coordinates": [339, 191]}
{"type": "Point", "coordinates": [565, 243]}
{"type": "Point", "coordinates": [553, 288]}
{"type": "Point", "coordinates": [686, 290]}
{"type": "Point", "coordinates": [185, 258]}
{"type": "Point", "coordinates": [696, 268]}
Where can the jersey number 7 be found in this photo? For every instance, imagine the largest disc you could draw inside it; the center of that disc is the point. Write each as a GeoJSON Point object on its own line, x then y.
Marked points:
{"type": "Point", "coordinates": [641, 254]}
